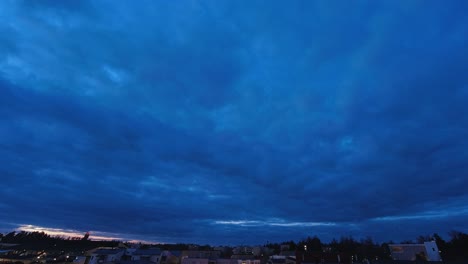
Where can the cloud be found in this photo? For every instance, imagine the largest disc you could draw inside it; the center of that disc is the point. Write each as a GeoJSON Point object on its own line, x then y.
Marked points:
{"type": "Point", "coordinates": [271, 223]}
{"type": "Point", "coordinates": [172, 121]}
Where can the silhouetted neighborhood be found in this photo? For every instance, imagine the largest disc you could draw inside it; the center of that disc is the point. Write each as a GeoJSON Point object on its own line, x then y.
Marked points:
{"type": "Point", "coordinates": [41, 248]}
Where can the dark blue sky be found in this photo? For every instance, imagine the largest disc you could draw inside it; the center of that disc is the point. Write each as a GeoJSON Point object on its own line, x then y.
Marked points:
{"type": "Point", "coordinates": [230, 122]}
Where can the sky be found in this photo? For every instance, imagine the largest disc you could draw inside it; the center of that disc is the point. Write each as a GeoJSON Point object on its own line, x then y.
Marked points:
{"type": "Point", "coordinates": [234, 122]}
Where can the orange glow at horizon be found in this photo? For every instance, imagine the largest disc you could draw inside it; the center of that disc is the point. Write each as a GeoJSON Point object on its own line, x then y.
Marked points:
{"type": "Point", "coordinates": [68, 232]}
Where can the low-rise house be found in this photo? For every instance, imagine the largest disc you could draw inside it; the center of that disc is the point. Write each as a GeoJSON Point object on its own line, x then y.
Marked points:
{"type": "Point", "coordinates": [209, 254]}
{"type": "Point", "coordinates": [170, 257]}
{"type": "Point", "coordinates": [243, 256]}
{"type": "Point", "coordinates": [426, 252]}
{"type": "Point", "coordinates": [242, 250]}
{"type": "Point", "coordinates": [187, 260]}
{"type": "Point", "coordinates": [105, 255]}
{"type": "Point", "coordinates": [278, 259]}
{"type": "Point", "coordinates": [245, 261]}
{"type": "Point", "coordinates": [200, 256]}
{"type": "Point", "coordinates": [152, 255]}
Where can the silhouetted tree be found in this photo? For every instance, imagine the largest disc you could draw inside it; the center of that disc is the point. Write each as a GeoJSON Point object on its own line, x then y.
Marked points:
{"type": "Point", "coordinates": [274, 246]}
{"type": "Point", "coordinates": [292, 245]}
{"type": "Point", "coordinates": [368, 249]}
{"type": "Point", "coordinates": [347, 244]}
{"type": "Point", "coordinates": [422, 239]}
{"type": "Point", "coordinates": [86, 236]}
{"type": "Point", "coordinates": [9, 238]}
{"type": "Point", "coordinates": [313, 244]}
{"type": "Point", "coordinates": [407, 242]}
{"type": "Point", "coordinates": [456, 249]}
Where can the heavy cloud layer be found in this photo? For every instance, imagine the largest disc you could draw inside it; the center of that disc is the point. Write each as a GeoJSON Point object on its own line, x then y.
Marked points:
{"type": "Point", "coordinates": [234, 122]}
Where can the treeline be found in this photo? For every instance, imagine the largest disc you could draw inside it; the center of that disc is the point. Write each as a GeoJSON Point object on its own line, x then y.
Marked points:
{"type": "Point", "coordinates": [42, 240]}
{"type": "Point", "coordinates": [364, 248]}
{"type": "Point", "coordinates": [455, 249]}
{"type": "Point", "coordinates": [23, 236]}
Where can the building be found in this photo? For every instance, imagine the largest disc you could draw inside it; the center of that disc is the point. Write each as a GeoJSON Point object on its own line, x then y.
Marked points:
{"type": "Point", "coordinates": [242, 250]}
{"type": "Point", "coordinates": [152, 255]}
{"type": "Point", "coordinates": [279, 259]}
{"type": "Point", "coordinates": [237, 261]}
{"type": "Point", "coordinates": [170, 257]}
{"type": "Point", "coordinates": [187, 260]}
{"type": "Point", "coordinates": [427, 251]}
{"type": "Point", "coordinates": [208, 254]}
{"type": "Point", "coordinates": [104, 255]}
